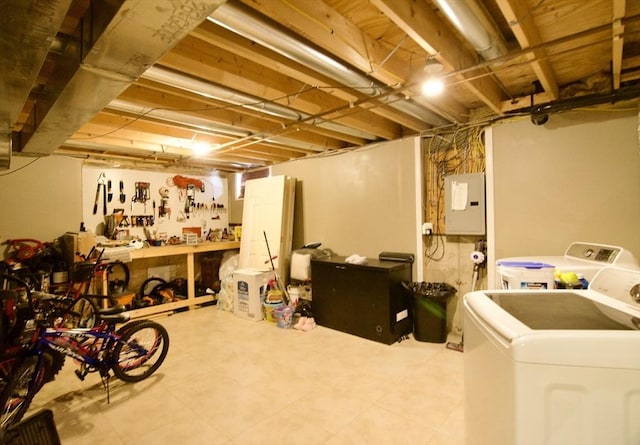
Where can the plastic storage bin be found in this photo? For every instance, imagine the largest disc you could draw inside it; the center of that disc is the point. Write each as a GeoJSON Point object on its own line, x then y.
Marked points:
{"type": "Point", "coordinates": [37, 429]}
{"type": "Point", "coordinates": [525, 275]}
{"type": "Point", "coordinates": [429, 310]}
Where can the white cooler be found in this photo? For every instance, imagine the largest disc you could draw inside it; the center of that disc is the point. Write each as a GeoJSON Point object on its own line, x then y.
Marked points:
{"type": "Point", "coordinates": [250, 289]}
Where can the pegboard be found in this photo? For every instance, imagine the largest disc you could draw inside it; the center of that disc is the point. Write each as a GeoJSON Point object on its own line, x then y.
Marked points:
{"type": "Point", "coordinates": [134, 192]}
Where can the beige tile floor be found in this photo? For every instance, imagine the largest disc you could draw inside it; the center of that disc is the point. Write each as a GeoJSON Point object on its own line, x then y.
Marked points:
{"type": "Point", "coordinates": [231, 381]}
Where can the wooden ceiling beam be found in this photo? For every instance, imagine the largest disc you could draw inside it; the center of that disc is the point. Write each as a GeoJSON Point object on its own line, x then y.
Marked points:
{"type": "Point", "coordinates": [116, 121]}
{"type": "Point", "coordinates": [338, 36]}
{"type": "Point", "coordinates": [204, 110]}
{"type": "Point", "coordinates": [95, 156]}
{"type": "Point", "coordinates": [145, 130]}
{"type": "Point", "coordinates": [428, 30]}
{"type": "Point", "coordinates": [126, 145]}
{"type": "Point", "coordinates": [519, 17]}
{"type": "Point", "coordinates": [150, 148]}
{"type": "Point", "coordinates": [98, 150]}
{"type": "Point", "coordinates": [328, 29]}
{"type": "Point", "coordinates": [196, 58]}
{"type": "Point", "coordinates": [279, 121]}
{"type": "Point", "coordinates": [233, 43]}
{"type": "Point", "coordinates": [224, 39]}
{"type": "Point", "coordinates": [619, 7]}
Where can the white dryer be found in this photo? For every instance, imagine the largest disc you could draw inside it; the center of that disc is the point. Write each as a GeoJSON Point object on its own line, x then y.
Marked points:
{"type": "Point", "coordinates": [585, 259]}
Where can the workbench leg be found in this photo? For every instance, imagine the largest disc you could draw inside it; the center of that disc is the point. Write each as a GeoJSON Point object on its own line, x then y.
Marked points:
{"type": "Point", "coordinates": [191, 279]}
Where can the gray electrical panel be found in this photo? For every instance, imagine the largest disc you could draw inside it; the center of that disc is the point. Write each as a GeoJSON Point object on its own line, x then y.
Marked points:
{"type": "Point", "coordinates": [465, 204]}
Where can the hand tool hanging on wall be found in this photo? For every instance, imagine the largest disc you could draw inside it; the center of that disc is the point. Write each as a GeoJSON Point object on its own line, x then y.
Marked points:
{"type": "Point", "coordinates": [102, 181]}
{"type": "Point", "coordinates": [141, 194]}
{"type": "Point", "coordinates": [109, 192]}
{"type": "Point", "coordinates": [182, 182]}
{"type": "Point", "coordinates": [123, 197]}
{"type": "Point", "coordinates": [190, 201]}
{"type": "Point", "coordinates": [189, 186]}
{"type": "Point", "coordinates": [164, 209]}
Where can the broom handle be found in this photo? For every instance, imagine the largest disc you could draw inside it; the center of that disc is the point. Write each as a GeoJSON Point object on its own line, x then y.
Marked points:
{"type": "Point", "coordinates": [284, 291]}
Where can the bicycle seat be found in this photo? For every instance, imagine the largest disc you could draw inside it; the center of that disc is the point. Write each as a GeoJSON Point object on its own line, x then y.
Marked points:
{"type": "Point", "coordinates": [114, 314]}
{"type": "Point", "coordinates": [113, 310]}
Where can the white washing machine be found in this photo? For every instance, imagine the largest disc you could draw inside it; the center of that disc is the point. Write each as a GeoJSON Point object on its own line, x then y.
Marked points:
{"type": "Point", "coordinates": [555, 367]}
{"type": "Point", "coordinates": [584, 259]}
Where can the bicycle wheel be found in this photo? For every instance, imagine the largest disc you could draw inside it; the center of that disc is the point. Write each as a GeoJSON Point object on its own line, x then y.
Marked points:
{"type": "Point", "coordinates": [53, 363]}
{"type": "Point", "coordinates": [142, 348]}
{"type": "Point", "coordinates": [82, 313]}
{"type": "Point", "coordinates": [19, 392]}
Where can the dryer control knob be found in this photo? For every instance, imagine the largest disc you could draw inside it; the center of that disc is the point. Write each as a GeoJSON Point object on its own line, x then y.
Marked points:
{"type": "Point", "coordinates": [635, 293]}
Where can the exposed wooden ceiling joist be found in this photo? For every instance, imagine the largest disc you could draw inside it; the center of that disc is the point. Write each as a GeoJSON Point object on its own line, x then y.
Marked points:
{"type": "Point", "coordinates": [291, 79]}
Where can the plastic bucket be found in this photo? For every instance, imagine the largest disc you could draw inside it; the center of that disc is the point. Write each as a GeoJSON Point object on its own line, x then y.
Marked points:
{"type": "Point", "coordinates": [526, 275]}
{"type": "Point", "coordinates": [269, 308]}
{"type": "Point", "coordinates": [283, 316]}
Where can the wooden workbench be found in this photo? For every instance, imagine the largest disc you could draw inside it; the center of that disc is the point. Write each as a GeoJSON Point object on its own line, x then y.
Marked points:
{"type": "Point", "coordinates": [180, 250]}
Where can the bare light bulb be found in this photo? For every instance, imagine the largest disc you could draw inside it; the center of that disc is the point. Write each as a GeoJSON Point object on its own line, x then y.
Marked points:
{"type": "Point", "coordinates": [432, 87]}
{"type": "Point", "coordinates": [200, 148]}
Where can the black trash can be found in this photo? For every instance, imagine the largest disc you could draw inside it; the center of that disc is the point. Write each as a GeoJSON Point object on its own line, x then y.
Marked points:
{"type": "Point", "coordinates": [429, 310]}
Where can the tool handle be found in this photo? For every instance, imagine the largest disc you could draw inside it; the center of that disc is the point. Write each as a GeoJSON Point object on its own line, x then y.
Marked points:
{"type": "Point", "coordinates": [95, 202]}
{"type": "Point", "coordinates": [104, 200]}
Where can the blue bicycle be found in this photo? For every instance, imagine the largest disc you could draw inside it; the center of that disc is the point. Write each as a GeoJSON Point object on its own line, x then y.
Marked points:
{"type": "Point", "coordinates": [132, 352]}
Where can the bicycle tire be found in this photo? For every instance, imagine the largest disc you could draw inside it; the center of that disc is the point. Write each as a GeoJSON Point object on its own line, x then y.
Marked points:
{"type": "Point", "coordinates": [17, 395]}
{"type": "Point", "coordinates": [142, 348]}
{"type": "Point", "coordinates": [82, 313]}
{"type": "Point", "coordinates": [54, 361]}
{"type": "Point", "coordinates": [147, 291]}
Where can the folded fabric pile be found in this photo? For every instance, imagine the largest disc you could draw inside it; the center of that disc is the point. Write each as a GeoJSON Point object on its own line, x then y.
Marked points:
{"type": "Point", "coordinates": [305, 324]}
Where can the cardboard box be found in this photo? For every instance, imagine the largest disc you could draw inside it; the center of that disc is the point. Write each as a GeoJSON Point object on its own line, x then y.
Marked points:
{"type": "Point", "coordinates": [77, 242]}
{"type": "Point", "coordinates": [250, 288]}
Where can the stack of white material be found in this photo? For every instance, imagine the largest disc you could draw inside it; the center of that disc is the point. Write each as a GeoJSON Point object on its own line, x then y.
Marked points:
{"type": "Point", "coordinates": [122, 253]}
{"type": "Point", "coordinates": [268, 209]}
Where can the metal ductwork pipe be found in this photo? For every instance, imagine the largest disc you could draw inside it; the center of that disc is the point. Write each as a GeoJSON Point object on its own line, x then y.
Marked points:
{"type": "Point", "coordinates": [202, 124]}
{"type": "Point", "coordinates": [228, 95]}
{"type": "Point", "coordinates": [177, 117]}
{"type": "Point", "coordinates": [218, 92]}
{"type": "Point", "coordinates": [247, 23]}
{"type": "Point", "coordinates": [466, 21]}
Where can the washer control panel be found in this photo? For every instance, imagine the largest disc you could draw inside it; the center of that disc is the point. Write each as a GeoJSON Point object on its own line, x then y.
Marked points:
{"type": "Point", "coordinates": [597, 253]}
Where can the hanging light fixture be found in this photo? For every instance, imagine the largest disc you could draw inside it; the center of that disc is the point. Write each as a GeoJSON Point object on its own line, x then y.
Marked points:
{"type": "Point", "coordinates": [434, 84]}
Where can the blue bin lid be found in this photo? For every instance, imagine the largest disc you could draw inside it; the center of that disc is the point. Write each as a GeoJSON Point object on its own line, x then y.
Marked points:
{"type": "Point", "coordinates": [525, 264]}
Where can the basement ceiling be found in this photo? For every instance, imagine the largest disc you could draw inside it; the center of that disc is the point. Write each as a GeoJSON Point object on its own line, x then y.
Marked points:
{"type": "Point", "coordinates": [239, 85]}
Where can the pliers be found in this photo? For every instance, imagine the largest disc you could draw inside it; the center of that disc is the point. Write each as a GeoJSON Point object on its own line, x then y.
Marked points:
{"type": "Point", "coordinates": [102, 182]}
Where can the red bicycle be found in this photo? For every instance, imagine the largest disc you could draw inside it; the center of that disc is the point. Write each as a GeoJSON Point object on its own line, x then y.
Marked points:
{"type": "Point", "coordinates": [77, 307]}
